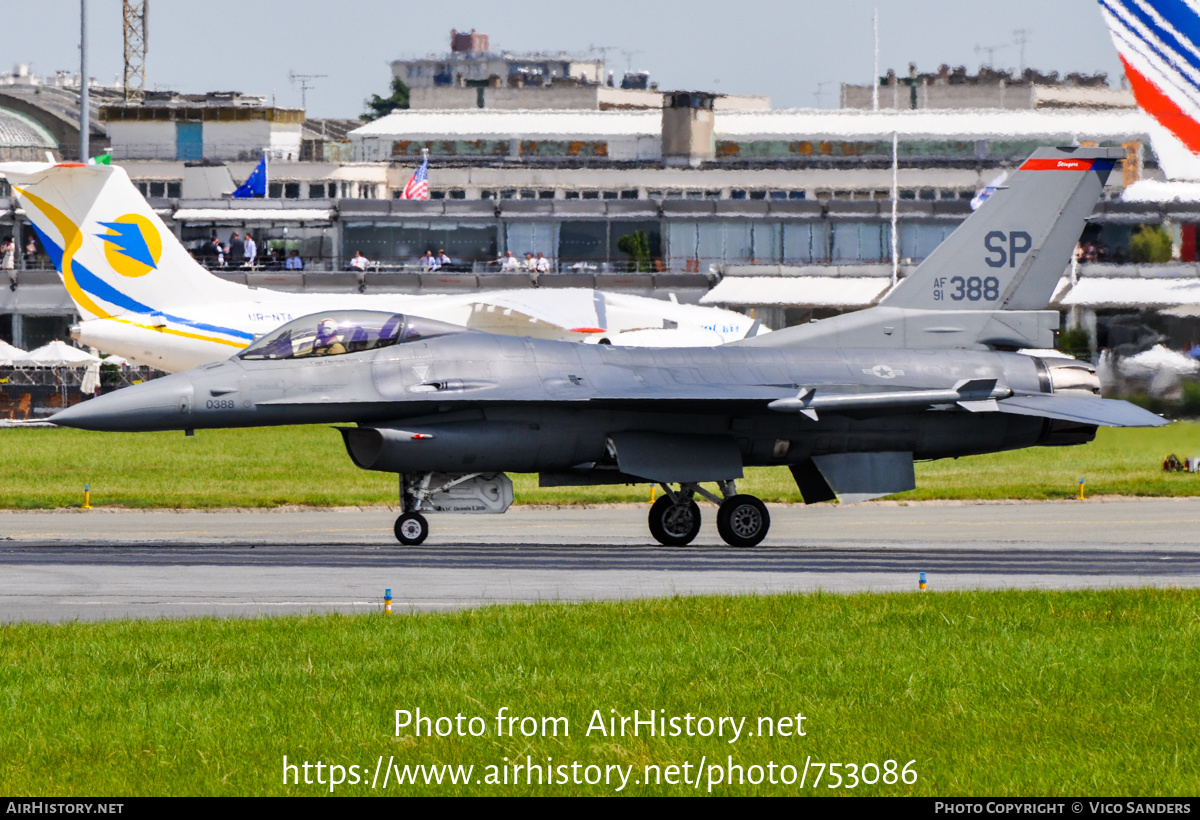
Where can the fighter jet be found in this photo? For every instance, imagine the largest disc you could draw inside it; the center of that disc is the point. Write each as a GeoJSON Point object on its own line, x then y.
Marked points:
{"type": "Point", "coordinates": [451, 410]}
{"type": "Point", "coordinates": [142, 296]}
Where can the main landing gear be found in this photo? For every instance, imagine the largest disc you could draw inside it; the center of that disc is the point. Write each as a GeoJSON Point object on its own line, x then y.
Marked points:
{"type": "Point", "coordinates": [742, 520]}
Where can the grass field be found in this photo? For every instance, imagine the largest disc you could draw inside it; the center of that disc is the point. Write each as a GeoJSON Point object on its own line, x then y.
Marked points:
{"type": "Point", "coordinates": [1009, 693]}
{"type": "Point", "coordinates": [48, 468]}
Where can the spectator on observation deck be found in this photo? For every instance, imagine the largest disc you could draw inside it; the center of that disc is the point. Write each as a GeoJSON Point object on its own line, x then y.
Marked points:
{"type": "Point", "coordinates": [509, 263]}
{"type": "Point", "coordinates": [250, 249]}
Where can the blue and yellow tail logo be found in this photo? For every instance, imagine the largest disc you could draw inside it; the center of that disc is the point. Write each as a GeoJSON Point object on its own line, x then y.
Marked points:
{"type": "Point", "coordinates": [132, 245]}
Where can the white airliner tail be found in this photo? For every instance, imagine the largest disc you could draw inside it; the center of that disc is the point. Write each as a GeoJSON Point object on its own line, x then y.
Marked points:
{"type": "Point", "coordinates": [1158, 42]}
{"type": "Point", "coordinates": [116, 256]}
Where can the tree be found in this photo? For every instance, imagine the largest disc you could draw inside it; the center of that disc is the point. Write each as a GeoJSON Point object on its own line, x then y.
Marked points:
{"type": "Point", "coordinates": [637, 247]}
{"type": "Point", "coordinates": [1150, 244]}
{"type": "Point", "coordinates": [382, 106]}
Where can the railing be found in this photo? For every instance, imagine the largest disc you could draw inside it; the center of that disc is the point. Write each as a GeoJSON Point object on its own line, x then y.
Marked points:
{"type": "Point", "coordinates": [409, 265]}
{"type": "Point", "coordinates": [231, 152]}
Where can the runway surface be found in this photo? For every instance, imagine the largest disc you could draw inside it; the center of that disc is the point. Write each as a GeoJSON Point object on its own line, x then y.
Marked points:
{"type": "Point", "coordinates": [100, 564]}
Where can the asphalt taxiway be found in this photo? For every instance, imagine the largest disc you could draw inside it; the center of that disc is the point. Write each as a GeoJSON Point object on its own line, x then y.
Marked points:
{"type": "Point", "coordinates": [100, 564]}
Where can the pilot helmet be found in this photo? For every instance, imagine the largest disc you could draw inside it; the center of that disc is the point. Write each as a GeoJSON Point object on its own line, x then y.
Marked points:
{"type": "Point", "coordinates": [326, 329]}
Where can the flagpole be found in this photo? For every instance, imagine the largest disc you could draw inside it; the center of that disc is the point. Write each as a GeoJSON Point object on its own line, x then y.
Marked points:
{"type": "Point", "coordinates": [84, 103]}
{"type": "Point", "coordinates": [895, 195]}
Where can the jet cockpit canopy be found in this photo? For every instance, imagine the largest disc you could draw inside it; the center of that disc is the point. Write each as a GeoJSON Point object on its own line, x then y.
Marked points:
{"type": "Point", "coordinates": [344, 331]}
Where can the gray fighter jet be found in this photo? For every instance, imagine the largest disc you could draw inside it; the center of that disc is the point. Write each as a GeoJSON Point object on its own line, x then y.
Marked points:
{"type": "Point", "coordinates": [847, 404]}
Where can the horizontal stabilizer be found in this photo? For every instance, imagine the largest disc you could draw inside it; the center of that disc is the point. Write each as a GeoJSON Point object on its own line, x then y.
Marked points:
{"type": "Point", "coordinates": [1085, 409]}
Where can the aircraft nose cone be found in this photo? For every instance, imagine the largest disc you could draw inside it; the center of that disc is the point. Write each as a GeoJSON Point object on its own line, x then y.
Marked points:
{"type": "Point", "coordinates": [163, 404]}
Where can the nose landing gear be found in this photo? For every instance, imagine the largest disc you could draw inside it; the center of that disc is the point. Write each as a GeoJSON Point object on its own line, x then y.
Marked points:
{"type": "Point", "coordinates": [411, 529]}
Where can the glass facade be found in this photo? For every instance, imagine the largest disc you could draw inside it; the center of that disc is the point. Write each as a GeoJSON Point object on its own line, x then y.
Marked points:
{"type": "Point", "coordinates": [405, 242]}
{"type": "Point", "coordinates": [670, 244]}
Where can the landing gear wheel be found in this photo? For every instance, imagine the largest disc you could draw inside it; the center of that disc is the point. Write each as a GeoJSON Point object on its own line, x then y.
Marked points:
{"type": "Point", "coordinates": [674, 525]}
{"type": "Point", "coordinates": [743, 521]}
{"type": "Point", "coordinates": [411, 529]}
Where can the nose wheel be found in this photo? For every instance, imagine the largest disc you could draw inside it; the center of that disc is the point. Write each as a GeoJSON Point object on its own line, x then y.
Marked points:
{"type": "Point", "coordinates": [411, 529]}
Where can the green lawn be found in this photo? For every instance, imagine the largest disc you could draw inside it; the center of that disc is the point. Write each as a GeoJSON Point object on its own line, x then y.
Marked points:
{"type": "Point", "coordinates": [1004, 693]}
{"type": "Point", "coordinates": [267, 467]}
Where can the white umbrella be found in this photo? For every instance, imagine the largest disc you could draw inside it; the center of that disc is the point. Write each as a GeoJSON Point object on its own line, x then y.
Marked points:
{"type": "Point", "coordinates": [55, 354]}
{"type": "Point", "coordinates": [8, 353]}
{"type": "Point", "coordinates": [90, 382]}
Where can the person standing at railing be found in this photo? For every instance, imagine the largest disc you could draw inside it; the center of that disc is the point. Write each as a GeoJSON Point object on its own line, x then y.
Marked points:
{"type": "Point", "coordinates": [237, 249]}
{"type": "Point", "coordinates": [31, 251]}
{"type": "Point", "coordinates": [359, 262]}
{"type": "Point", "coordinates": [442, 259]}
{"type": "Point", "coordinates": [429, 263]}
{"type": "Point", "coordinates": [294, 262]}
{"type": "Point", "coordinates": [8, 261]}
{"type": "Point", "coordinates": [250, 249]}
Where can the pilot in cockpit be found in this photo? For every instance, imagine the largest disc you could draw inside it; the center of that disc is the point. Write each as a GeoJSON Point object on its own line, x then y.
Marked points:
{"type": "Point", "coordinates": [329, 340]}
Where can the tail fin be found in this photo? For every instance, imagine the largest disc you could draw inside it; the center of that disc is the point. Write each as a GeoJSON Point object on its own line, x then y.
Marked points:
{"type": "Point", "coordinates": [116, 256]}
{"type": "Point", "coordinates": [1158, 42]}
{"type": "Point", "coordinates": [990, 282]}
{"type": "Point", "coordinates": [1011, 253]}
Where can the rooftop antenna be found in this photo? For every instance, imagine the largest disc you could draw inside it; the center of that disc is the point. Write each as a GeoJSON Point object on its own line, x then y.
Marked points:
{"type": "Point", "coordinates": [1020, 37]}
{"type": "Point", "coordinates": [603, 52]}
{"type": "Point", "coordinates": [819, 94]}
{"type": "Point", "coordinates": [875, 70]}
{"type": "Point", "coordinates": [629, 58]}
{"type": "Point", "coordinates": [303, 79]}
{"type": "Point", "coordinates": [991, 53]}
{"type": "Point", "coordinates": [133, 16]}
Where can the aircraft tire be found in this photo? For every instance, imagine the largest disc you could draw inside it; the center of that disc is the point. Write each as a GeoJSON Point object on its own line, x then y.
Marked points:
{"type": "Point", "coordinates": [411, 529]}
{"type": "Point", "coordinates": [743, 521]}
{"type": "Point", "coordinates": [674, 525]}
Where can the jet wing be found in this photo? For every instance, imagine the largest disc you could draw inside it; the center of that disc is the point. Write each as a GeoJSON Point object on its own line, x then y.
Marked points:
{"type": "Point", "coordinates": [976, 396]}
{"type": "Point", "coordinates": [1101, 412]}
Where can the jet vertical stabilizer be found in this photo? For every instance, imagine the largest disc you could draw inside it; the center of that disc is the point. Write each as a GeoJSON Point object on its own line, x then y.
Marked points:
{"type": "Point", "coordinates": [990, 282]}
{"type": "Point", "coordinates": [1011, 253]}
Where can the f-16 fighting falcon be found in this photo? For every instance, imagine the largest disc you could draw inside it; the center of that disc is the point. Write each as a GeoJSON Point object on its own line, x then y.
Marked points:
{"type": "Point", "coordinates": [847, 404]}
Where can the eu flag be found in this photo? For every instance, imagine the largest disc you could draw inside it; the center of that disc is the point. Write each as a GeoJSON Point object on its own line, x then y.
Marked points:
{"type": "Point", "coordinates": [255, 184]}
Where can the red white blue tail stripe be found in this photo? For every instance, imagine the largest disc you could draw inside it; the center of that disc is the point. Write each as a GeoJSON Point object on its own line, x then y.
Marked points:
{"type": "Point", "coordinates": [1157, 42]}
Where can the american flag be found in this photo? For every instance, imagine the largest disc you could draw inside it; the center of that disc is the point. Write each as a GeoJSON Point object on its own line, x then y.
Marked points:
{"type": "Point", "coordinates": [418, 186]}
